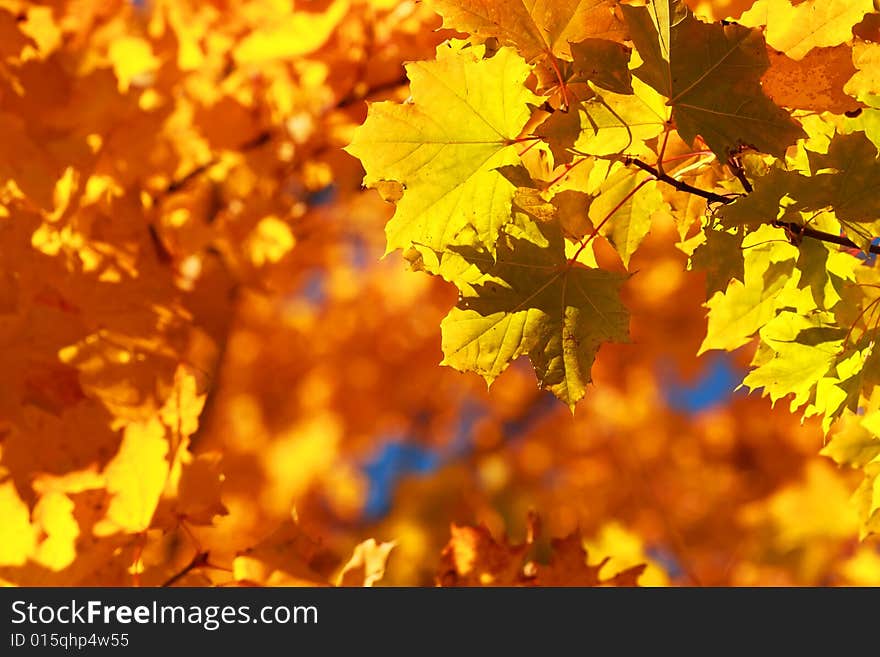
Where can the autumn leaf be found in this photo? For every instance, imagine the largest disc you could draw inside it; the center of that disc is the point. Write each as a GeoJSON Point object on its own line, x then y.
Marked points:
{"type": "Point", "coordinates": [531, 300]}
{"type": "Point", "coordinates": [820, 81]}
{"type": "Point", "coordinates": [843, 179]}
{"type": "Point", "coordinates": [569, 567]}
{"type": "Point", "coordinates": [797, 28]}
{"type": "Point", "coordinates": [286, 557]}
{"type": "Point", "coordinates": [367, 564]}
{"type": "Point", "coordinates": [606, 63]}
{"type": "Point", "coordinates": [199, 333]}
{"type": "Point", "coordinates": [628, 198]}
{"type": "Point", "coordinates": [711, 76]}
{"type": "Point", "coordinates": [620, 123]}
{"type": "Point", "coordinates": [536, 29]}
{"type": "Point", "coordinates": [745, 306]}
{"type": "Point", "coordinates": [473, 557]}
{"type": "Point", "coordinates": [18, 537]}
{"type": "Point", "coordinates": [447, 167]}
{"type": "Point", "coordinates": [721, 258]}
{"type": "Point", "coordinates": [795, 353]}
{"type": "Point", "coordinates": [135, 477]}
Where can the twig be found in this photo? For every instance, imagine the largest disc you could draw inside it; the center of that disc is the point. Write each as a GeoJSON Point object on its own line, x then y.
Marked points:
{"type": "Point", "coordinates": [791, 227]}
{"type": "Point", "coordinates": [680, 185]}
{"type": "Point", "coordinates": [198, 561]}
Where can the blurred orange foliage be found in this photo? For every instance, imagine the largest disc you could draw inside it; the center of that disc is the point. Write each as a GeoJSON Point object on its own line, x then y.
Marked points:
{"type": "Point", "coordinates": [206, 359]}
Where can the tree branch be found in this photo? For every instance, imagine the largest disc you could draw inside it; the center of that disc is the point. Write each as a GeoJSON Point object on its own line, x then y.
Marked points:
{"type": "Point", "coordinates": [678, 184]}
{"type": "Point", "coordinates": [806, 231]}
{"type": "Point", "coordinates": [794, 229]}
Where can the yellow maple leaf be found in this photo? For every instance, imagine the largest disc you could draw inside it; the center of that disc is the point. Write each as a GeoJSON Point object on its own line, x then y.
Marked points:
{"type": "Point", "coordinates": [135, 477]}
{"type": "Point", "coordinates": [17, 537]}
{"type": "Point", "coordinates": [797, 29]}
{"type": "Point", "coordinates": [367, 564]}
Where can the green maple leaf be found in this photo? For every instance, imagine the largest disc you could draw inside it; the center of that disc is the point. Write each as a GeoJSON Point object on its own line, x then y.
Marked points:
{"type": "Point", "coordinates": [532, 301]}
{"type": "Point", "coordinates": [444, 147]}
{"type": "Point", "coordinates": [711, 76]}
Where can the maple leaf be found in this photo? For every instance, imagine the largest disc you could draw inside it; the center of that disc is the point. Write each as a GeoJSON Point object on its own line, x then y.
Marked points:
{"type": "Point", "coordinates": [711, 76]}
{"type": "Point", "coordinates": [135, 477]}
{"type": "Point", "coordinates": [613, 123]}
{"type": "Point", "coordinates": [796, 29]}
{"type": "Point", "coordinates": [845, 180]}
{"type": "Point", "coordinates": [628, 198]}
{"type": "Point", "coordinates": [721, 257]}
{"type": "Point", "coordinates": [18, 538]}
{"type": "Point", "coordinates": [796, 352]}
{"type": "Point", "coordinates": [826, 272]}
{"type": "Point", "coordinates": [820, 81]}
{"type": "Point", "coordinates": [473, 557]}
{"type": "Point", "coordinates": [744, 307]}
{"type": "Point", "coordinates": [537, 28]}
{"type": "Point", "coordinates": [445, 145]}
{"type": "Point", "coordinates": [367, 564]}
{"type": "Point", "coordinates": [856, 442]}
{"type": "Point", "coordinates": [181, 235]}
{"type": "Point", "coordinates": [569, 566]}
{"type": "Point", "coordinates": [866, 81]}
{"type": "Point", "coordinates": [603, 62]}
{"type": "Point", "coordinates": [857, 445]}
{"type": "Point", "coordinates": [286, 557]}
{"type": "Point", "coordinates": [530, 300]}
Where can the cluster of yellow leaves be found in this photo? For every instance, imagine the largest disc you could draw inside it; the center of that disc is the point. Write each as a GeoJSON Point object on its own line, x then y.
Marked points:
{"type": "Point", "coordinates": [203, 353]}
{"type": "Point", "coordinates": [721, 86]}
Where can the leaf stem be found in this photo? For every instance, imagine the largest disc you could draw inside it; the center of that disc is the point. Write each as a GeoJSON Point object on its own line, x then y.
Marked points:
{"type": "Point", "coordinates": [861, 314]}
{"type": "Point", "coordinates": [554, 64]}
{"type": "Point", "coordinates": [608, 216]}
{"type": "Point", "coordinates": [568, 168]}
{"type": "Point", "coordinates": [663, 150]}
